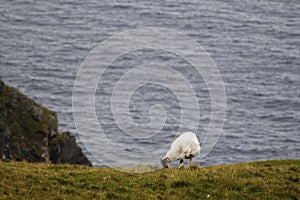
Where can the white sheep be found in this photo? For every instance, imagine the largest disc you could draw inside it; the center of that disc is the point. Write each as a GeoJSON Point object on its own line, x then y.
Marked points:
{"type": "Point", "coordinates": [185, 146]}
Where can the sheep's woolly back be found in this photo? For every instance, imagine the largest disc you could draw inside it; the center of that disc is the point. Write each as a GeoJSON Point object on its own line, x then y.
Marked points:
{"type": "Point", "coordinates": [185, 145]}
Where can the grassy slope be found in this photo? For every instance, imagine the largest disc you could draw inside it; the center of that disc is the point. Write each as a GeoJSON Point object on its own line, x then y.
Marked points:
{"type": "Point", "coordinates": [257, 180]}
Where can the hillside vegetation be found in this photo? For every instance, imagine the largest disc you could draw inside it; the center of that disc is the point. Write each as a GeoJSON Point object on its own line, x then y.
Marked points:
{"type": "Point", "coordinates": [29, 131]}
{"type": "Point", "coordinates": [257, 180]}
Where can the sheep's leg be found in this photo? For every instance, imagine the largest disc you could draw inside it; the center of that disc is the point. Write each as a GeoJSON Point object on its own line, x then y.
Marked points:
{"type": "Point", "coordinates": [181, 164]}
{"type": "Point", "coordinates": [191, 160]}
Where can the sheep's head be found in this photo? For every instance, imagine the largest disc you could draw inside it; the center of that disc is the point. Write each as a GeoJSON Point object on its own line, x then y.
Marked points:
{"type": "Point", "coordinates": [165, 161]}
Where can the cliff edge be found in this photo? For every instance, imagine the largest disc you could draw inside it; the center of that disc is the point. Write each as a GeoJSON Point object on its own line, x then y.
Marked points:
{"type": "Point", "coordinates": [29, 131]}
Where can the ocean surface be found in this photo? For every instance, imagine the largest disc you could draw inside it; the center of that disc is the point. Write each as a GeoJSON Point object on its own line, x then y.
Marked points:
{"type": "Point", "coordinates": [254, 44]}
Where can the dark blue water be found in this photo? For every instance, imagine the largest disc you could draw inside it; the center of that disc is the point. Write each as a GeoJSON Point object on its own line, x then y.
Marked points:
{"type": "Point", "coordinates": [255, 44]}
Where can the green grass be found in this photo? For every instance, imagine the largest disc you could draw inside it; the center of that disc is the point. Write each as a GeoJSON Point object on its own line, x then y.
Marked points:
{"type": "Point", "coordinates": [258, 180]}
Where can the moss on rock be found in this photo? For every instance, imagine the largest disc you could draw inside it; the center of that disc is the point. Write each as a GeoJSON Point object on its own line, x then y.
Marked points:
{"type": "Point", "coordinates": [29, 131]}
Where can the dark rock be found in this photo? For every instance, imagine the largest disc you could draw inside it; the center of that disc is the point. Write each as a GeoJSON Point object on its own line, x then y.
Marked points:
{"type": "Point", "coordinates": [67, 150]}
{"type": "Point", "coordinates": [29, 132]}
{"type": "Point", "coordinates": [2, 87]}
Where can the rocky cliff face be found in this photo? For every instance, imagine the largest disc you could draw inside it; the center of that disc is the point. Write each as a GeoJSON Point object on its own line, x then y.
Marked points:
{"type": "Point", "coordinates": [29, 132]}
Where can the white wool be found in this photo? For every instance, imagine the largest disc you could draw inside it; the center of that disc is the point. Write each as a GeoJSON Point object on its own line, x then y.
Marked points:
{"type": "Point", "coordinates": [185, 145]}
